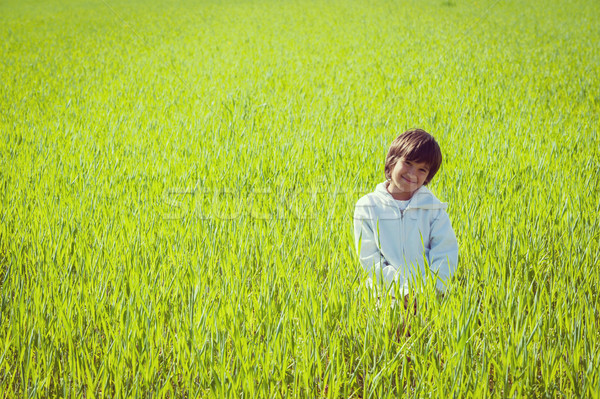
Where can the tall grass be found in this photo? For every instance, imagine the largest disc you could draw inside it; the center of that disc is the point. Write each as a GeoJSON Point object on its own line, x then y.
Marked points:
{"type": "Point", "coordinates": [178, 179]}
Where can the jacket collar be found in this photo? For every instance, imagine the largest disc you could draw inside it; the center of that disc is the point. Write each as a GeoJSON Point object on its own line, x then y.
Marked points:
{"type": "Point", "coordinates": [423, 198]}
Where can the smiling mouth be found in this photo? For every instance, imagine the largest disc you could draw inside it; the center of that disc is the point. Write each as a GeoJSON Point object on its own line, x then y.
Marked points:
{"type": "Point", "coordinates": [410, 181]}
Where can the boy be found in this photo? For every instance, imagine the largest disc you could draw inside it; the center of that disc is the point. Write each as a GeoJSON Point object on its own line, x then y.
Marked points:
{"type": "Point", "coordinates": [402, 231]}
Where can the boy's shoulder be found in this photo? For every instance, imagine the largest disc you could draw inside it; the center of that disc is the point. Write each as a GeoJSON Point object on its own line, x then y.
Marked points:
{"type": "Point", "coordinates": [370, 198]}
{"type": "Point", "coordinates": [374, 203]}
{"type": "Point", "coordinates": [425, 199]}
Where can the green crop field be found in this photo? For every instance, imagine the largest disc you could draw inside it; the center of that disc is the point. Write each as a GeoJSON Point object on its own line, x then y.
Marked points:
{"type": "Point", "coordinates": [178, 179]}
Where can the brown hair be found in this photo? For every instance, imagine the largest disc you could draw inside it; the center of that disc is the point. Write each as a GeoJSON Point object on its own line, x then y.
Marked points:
{"type": "Point", "coordinates": [414, 145]}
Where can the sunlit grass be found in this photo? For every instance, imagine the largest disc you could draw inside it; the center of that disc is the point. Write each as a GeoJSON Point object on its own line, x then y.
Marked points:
{"type": "Point", "coordinates": [178, 180]}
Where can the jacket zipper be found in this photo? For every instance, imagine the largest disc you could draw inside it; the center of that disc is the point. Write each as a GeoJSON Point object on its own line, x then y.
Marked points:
{"type": "Point", "coordinates": [402, 231]}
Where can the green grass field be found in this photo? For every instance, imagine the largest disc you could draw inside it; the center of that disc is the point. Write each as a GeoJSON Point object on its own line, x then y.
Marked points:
{"type": "Point", "coordinates": [178, 180]}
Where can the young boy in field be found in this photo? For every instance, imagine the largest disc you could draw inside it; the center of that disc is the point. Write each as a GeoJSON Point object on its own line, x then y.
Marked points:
{"type": "Point", "coordinates": [402, 231]}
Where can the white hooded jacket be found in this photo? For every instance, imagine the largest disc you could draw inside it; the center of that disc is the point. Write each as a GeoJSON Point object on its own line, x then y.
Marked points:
{"type": "Point", "coordinates": [395, 245]}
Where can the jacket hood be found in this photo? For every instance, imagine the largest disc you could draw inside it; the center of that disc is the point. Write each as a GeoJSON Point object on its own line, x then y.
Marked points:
{"type": "Point", "coordinates": [423, 198]}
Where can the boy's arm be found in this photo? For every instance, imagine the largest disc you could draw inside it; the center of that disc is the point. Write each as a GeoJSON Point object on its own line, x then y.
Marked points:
{"type": "Point", "coordinates": [443, 252]}
{"type": "Point", "coordinates": [366, 242]}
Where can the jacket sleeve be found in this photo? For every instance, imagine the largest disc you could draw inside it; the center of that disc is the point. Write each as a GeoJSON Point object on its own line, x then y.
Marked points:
{"type": "Point", "coordinates": [366, 242]}
{"type": "Point", "coordinates": [443, 252]}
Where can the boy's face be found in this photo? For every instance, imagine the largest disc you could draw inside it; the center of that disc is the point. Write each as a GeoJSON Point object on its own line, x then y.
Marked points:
{"type": "Point", "coordinates": [406, 178]}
